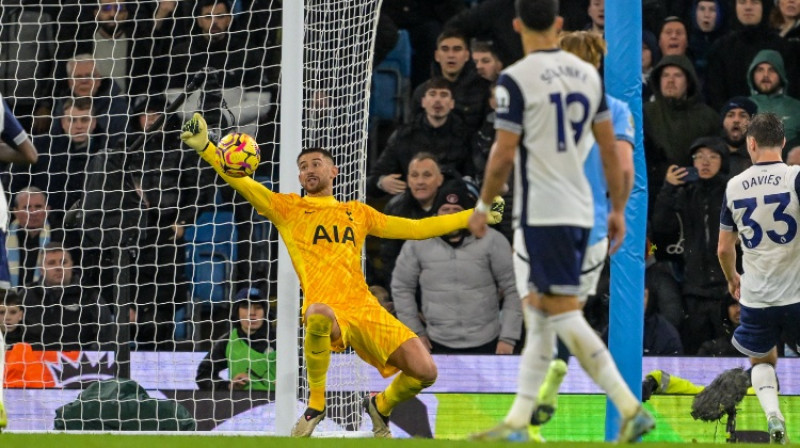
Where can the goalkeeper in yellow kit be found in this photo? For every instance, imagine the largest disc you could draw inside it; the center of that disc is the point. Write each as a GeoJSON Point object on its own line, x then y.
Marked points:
{"type": "Point", "coordinates": [324, 238]}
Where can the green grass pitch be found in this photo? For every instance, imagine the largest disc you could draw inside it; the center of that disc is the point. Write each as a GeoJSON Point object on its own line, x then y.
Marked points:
{"type": "Point", "coordinates": [578, 422]}
{"type": "Point", "coordinates": [154, 441]}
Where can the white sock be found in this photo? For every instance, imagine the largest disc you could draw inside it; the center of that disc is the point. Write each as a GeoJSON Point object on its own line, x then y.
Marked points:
{"type": "Point", "coordinates": [533, 364]}
{"type": "Point", "coordinates": [765, 383]}
{"type": "Point", "coordinates": [595, 359]}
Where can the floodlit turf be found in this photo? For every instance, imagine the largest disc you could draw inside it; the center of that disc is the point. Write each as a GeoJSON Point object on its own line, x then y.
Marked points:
{"type": "Point", "coordinates": [578, 422]}
{"type": "Point", "coordinates": [177, 441]}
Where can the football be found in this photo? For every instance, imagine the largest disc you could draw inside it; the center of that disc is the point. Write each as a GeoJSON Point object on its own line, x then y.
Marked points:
{"type": "Point", "coordinates": [238, 154]}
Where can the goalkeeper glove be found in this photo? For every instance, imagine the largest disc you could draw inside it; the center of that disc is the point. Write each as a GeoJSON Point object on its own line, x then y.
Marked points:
{"type": "Point", "coordinates": [195, 133]}
{"type": "Point", "coordinates": [495, 214]}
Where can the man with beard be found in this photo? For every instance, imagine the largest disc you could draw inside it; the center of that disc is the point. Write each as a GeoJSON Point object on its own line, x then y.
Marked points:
{"type": "Point", "coordinates": [325, 240]}
{"type": "Point", "coordinates": [736, 115]}
{"type": "Point", "coordinates": [126, 40]}
{"type": "Point", "coordinates": [216, 47]}
{"type": "Point", "coordinates": [768, 86]}
{"type": "Point", "coordinates": [463, 281]}
{"type": "Point", "coordinates": [674, 119]}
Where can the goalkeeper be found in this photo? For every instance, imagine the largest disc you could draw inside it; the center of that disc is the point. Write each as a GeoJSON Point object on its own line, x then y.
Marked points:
{"type": "Point", "coordinates": [324, 238]}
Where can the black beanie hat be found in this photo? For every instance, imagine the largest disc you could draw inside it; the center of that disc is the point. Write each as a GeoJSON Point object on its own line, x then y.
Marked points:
{"type": "Point", "coordinates": [454, 192]}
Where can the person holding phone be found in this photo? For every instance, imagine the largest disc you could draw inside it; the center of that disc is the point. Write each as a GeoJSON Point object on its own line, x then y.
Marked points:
{"type": "Point", "coordinates": [688, 207]}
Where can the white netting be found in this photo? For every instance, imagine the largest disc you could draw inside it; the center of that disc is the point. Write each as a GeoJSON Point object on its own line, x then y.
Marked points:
{"type": "Point", "coordinates": [154, 236]}
{"type": "Point", "coordinates": [338, 62]}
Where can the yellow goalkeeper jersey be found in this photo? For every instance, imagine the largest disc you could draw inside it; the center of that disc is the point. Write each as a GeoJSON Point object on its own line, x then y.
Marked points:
{"type": "Point", "coordinates": [325, 237]}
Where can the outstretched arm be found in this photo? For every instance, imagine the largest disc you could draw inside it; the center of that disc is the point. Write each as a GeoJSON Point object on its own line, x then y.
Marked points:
{"type": "Point", "coordinates": [420, 229]}
{"type": "Point", "coordinates": [195, 135]}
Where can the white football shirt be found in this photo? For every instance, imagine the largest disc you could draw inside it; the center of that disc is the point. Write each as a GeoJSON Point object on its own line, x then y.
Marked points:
{"type": "Point", "coordinates": [762, 205]}
{"type": "Point", "coordinates": [551, 98]}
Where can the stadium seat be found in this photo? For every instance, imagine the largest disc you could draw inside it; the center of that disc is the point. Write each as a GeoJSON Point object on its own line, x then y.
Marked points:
{"type": "Point", "coordinates": [210, 254]}
{"type": "Point", "coordinates": [391, 82]}
{"type": "Point", "coordinates": [390, 92]}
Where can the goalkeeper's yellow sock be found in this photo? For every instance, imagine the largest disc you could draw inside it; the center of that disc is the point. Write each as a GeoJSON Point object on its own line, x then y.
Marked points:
{"type": "Point", "coordinates": [317, 345]}
{"type": "Point", "coordinates": [674, 385]}
{"type": "Point", "coordinates": [401, 389]}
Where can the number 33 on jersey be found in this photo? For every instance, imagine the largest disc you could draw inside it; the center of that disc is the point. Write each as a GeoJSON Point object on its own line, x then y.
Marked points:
{"type": "Point", "coordinates": [761, 204]}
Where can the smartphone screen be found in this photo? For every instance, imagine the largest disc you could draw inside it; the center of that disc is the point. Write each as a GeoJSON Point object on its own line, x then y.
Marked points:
{"type": "Point", "coordinates": [691, 174]}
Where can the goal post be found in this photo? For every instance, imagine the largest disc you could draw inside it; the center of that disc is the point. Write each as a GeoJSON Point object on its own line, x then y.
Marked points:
{"type": "Point", "coordinates": [331, 74]}
{"type": "Point", "coordinates": [191, 243]}
{"type": "Point", "coordinates": [288, 285]}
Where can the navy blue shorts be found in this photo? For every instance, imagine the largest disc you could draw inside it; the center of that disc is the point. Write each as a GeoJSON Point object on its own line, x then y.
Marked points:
{"type": "Point", "coordinates": [555, 256]}
{"type": "Point", "coordinates": [760, 329]}
{"type": "Point", "coordinates": [5, 274]}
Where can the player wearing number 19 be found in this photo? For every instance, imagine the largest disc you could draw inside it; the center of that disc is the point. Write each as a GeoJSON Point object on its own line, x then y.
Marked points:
{"type": "Point", "coordinates": [550, 104]}
{"type": "Point", "coordinates": [325, 238]}
{"type": "Point", "coordinates": [761, 208]}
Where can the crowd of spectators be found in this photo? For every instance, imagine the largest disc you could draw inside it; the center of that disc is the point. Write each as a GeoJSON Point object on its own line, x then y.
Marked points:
{"type": "Point", "coordinates": [707, 67]}
{"type": "Point", "coordinates": [86, 80]}
{"type": "Point", "coordinates": [102, 73]}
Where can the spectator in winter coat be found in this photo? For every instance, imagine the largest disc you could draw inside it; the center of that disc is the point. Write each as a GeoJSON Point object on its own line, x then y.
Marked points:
{"type": "Point", "coordinates": [736, 115]}
{"type": "Point", "coordinates": [463, 282]}
{"type": "Point", "coordinates": [689, 206]}
{"type": "Point", "coordinates": [109, 104]}
{"type": "Point", "coordinates": [437, 131]}
{"type": "Point", "coordinates": [675, 118]}
{"type": "Point", "coordinates": [768, 86]}
{"type": "Point", "coordinates": [729, 57]}
{"type": "Point", "coordinates": [470, 90]}
{"type": "Point", "coordinates": [67, 315]}
{"type": "Point", "coordinates": [721, 346]}
{"type": "Point", "coordinates": [425, 178]}
{"type": "Point", "coordinates": [707, 25]}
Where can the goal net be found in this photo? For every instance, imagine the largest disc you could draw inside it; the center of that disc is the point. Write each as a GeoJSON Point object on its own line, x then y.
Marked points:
{"type": "Point", "coordinates": [130, 258]}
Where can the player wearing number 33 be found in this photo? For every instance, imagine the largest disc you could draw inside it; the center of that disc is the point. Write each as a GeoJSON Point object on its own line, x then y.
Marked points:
{"type": "Point", "coordinates": [325, 238]}
{"type": "Point", "coordinates": [761, 208]}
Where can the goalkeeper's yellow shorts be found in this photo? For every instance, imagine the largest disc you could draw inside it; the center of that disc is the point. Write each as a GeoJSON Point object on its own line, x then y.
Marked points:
{"type": "Point", "coordinates": [373, 333]}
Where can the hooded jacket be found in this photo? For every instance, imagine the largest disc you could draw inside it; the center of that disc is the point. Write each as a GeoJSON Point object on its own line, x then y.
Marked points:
{"type": "Point", "coordinates": [692, 211]}
{"type": "Point", "coordinates": [700, 41]}
{"type": "Point", "coordinates": [782, 105]}
{"type": "Point", "coordinates": [671, 125]}
{"type": "Point", "coordinates": [729, 56]}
